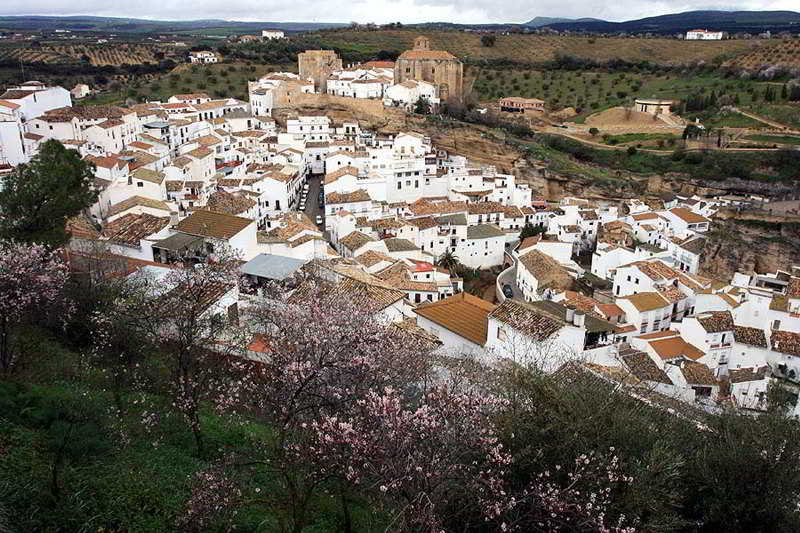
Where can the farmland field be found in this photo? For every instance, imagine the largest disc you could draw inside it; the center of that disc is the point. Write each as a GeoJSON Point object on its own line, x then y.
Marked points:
{"type": "Point", "coordinates": [218, 81]}
{"type": "Point", "coordinates": [592, 91]}
{"type": "Point", "coordinates": [541, 48]}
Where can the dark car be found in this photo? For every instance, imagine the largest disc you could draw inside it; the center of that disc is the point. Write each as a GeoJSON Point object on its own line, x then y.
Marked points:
{"type": "Point", "coordinates": [508, 291]}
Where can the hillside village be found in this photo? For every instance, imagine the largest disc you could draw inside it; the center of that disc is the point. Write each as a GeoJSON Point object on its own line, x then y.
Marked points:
{"type": "Point", "coordinates": [397, 224]}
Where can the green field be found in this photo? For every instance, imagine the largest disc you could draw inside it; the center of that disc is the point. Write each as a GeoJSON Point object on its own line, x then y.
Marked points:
{"type": "Point", "coordinates": [776, 139]}
{"type": "Point", "coordinates": [592, 91]}
{"type": "Point", "coordinates": [786, 113]}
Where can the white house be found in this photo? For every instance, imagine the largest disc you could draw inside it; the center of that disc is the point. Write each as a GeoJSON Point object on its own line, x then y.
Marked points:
{"type": "Point", "coordinates": [271, 35]}
{"type": "Point", "coordinates": [703, 35]}
{"type": "Point", "coordinates": [203, 57]}
{"type": "Point", "coordinates": [460, 322]}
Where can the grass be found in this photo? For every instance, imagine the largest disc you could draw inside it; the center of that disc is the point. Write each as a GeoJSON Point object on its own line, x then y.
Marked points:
{"type": "Point", "coordinates": [732, 120]}
{"type": "Point", "coordinates": [777, 139]}
{"type": "Point", "coordinates": [784, 113]}
{"type": "Point", "coordinates": [640, 138]}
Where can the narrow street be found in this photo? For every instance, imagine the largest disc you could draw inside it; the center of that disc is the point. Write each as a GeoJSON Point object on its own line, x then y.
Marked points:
{"type": "Point", "coordinates": [312, 202]}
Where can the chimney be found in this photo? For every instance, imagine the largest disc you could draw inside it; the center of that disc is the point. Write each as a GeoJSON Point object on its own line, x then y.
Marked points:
{"type": "Point", "coordinates": [173, 218]}
{"type": "Point", "coordinates": [570, 314]}
{"type": "Point", "coordinates": [579, 319]}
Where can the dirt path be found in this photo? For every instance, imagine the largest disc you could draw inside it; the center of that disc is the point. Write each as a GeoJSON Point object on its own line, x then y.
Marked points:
{"type": "Point", "coordinates": [762, 119]}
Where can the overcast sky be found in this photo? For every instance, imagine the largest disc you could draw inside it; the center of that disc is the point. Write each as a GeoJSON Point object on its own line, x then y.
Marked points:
{"type": "Point", "coordinates": [380, 11]}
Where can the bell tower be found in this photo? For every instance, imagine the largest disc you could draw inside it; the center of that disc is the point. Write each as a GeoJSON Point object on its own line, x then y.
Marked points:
{"type": "Point", "coordinates": [422, 43]}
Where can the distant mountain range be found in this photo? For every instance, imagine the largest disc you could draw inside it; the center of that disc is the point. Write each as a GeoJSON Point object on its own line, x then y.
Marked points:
{"type": "Point", "coordinates": [730, 21]}
{"type": "Point", "coordinates": [538, 22]}
{"type": "Point", "coordinates": [114, 24]}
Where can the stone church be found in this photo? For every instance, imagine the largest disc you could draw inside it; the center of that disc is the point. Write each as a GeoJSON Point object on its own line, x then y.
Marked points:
{"type": "Point", "coordinates": [438, 67]}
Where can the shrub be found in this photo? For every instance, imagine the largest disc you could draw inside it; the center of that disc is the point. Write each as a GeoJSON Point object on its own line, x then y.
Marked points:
{"type": "Point", "coordinates": [632, 150]}
{"type": "Point", "coordinates": [593, 131]}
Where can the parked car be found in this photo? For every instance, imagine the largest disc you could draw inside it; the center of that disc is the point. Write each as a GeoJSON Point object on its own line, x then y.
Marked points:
{"type": "Point", "coordinates": [508, 291]}
{"type": "Point", "coordinates": [302, 206]}
{"type": "Point", "coordinates": [319, 220]}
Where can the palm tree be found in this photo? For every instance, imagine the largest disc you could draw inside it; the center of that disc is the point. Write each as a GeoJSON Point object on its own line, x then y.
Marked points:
{"type": "Point", "coordinates": [448, 260]}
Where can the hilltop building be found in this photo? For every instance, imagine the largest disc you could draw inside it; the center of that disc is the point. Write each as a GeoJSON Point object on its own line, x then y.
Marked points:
{"type": "Point", "coordinates": [438, 67]}
{"type": "Point", "coordinates": [703, 35]}
{"type": "Point", "coordinates": [269, 35]}
{"type": "Point", "coordinates": [318, 65]}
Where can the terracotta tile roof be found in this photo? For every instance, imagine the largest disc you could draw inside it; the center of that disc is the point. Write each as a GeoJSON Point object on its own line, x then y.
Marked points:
{"type": "Point", "coordinates": [33, 136]}
{"type": "Point", "coordinates": [463, 314]}
{"type": "Point", "coordinates": [694, 245]}
{"type": "Point", "coordinates": [659, 334]}
{"type": "Point", "coordinates": [336, 174]}
{"type": "Point", "coordinates": [110, 123]}
{"type": "Point", "coordinates": [135, 201]}
{"type": "Point", "coordinates": [424, 223]}
{"type": "Point", "coordinates": [485, 231]}
{"type": "Point", "coordinates": [588, 215]}
{"type": "Point", "coordinates": [90, 112]}
{"type": "Point", "coordinates": [9, 105]}
{"type": "Point", "coordinates": [426, 54]}
{"type": "Point", "coordinates": [743, 375]}
{"type": "Point", "coordinates": [174, 185]}
{"type": "Point", "coordinates": [698, 374]}
{"type": "Point", "coordinates": [399, 245]}
{"type": "Point", "coordinates": [647, 301]}
{"type": "Point", "coordinates": [181, 161]}
{"type": "Point", "coordinates": [229, 203]}
{"type": "Point", "coordinates": [674, 348]}
{"type": "Point", "coordinates": [141, 145]}
{"type": "Point", "coordinates": [131, 228]}
{"type": "Point", "coordinates": [423, 207]}
{"type": "Point", "coordinates": [105, 161]}
{"type": "Point", "coordinates": [750, 336]}
{"type": "Point", "coordinates": [793, 289]}
{"type": "Point", "coordinates": [409, 326]}
{"type": "Point", "coordinates": [380, 224]}
{"type": "Point", "coordinates": [549, 273]}
{"type": "Point", "coordinates": [482, 208]}
{"type": "Point", "coordinates": [81, 227]}
{"type": "Point", "coordinates": [716, 321]}
{"type": "Point", "coordinates": [526, 319]}
{"type": "Point", "coordinates": [398, 276]}
{"type": "Point", "coordinates": [656, 270]}
{"type": "Point", "coordinates": [527, 242]}
{"type": "Point", "coordinates": [786, 342]}
{"type": "Point", "coordinates": [581, 301]}
{"type": "Point", "coordinates": [371, 258]}
{"type": "Point", "coordinates": [688, 216]}
{"type": "Point", "coordinates": [249, 133]}
{"type": "Point", "coordinates": [672, 293]}
{"type": "Point", "coordinates": [644, 216]}
{"type": "Point", "coordinates": [355, 240]}
{"type": "Point", "coordinates": [208, 106]}
{"type": "Point", "coordinates": [609, 310]}
{"type": "Point", "coordinates": [202, 294]}
{"type": "Point", "coordinates": [205, 223]}
{"type": "Point", "coordinates": [359, 195]}
{"type": "Point", "coordinates": [644, 368]}
{"type": "Point", "coordinates": [200, 153]}
{"type": "Point", "coordinates": [190, 96]}
{"type": "Point", "coordinates": [145, 174]}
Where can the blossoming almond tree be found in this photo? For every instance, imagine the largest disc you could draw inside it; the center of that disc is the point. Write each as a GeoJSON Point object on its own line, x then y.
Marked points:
{"type": "Point", "coordinates": [32, 279]}
{"type": "Point", "coordinates": [320, 354]}
{"type": "Point", "coordinates": [433, 463]}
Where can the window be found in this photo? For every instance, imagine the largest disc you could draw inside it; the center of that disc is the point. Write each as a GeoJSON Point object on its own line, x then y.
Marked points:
{"type": "Point", "coordinates": [399, 185]}
{"type": "Point", "coordinates": [417, 298]}
{"type": "Point", "coordinates": [139, 184]}
{"type": "Point", "coordinates": [776, 324]}
{"type": "Point", "coordinates": [643, 328]}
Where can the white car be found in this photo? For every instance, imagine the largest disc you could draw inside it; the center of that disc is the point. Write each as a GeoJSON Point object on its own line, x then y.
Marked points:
{"type": "Point", "coordinates": [319, 220]}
